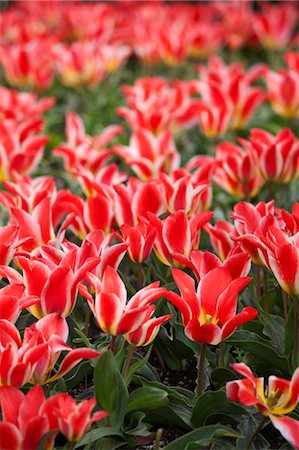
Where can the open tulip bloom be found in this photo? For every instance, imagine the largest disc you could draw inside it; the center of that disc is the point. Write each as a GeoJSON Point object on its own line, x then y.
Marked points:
{"type": "Point", "coordinates": [210, 313]}
{"type": "Point", "coordinates": [275, 400]}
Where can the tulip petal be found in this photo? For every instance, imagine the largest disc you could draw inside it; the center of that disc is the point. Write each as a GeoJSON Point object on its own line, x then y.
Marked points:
{"type": "Point", "coordinates": [288, 427]}
{"type": "Point", "coordinates": [73, 358]}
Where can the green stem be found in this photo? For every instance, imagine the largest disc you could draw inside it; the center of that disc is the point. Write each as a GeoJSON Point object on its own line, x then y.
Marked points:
{"type": "Point", "coordinates": [158, 439]}
{"type": "Point", "coordinates": [87, 319]}
{"type": "Point", "coordinates": [260, 426]}
{"type": "Point", "coordinates": [258, 282]}
{"type": "Point", "coordinates": [296, 326]}
{"type": "Point", "coordinates": [266, 297]}
{"type": "Point", "coordinates": [201, 367]}
{"type": "Point", "coordinates": [285, 305]}
{"type": "Point", "coordinates": [140, 276]}
{"type": "Point", "coordinates": [128, 361]}
{"type": "Point", "coordinates": [112, 344]}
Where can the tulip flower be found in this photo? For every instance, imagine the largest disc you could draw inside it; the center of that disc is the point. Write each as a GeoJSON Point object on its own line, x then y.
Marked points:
{"type": "Point", "coordinates": [28, 65]}
{"type": "Point", "coordinates": [20, 152]}
{"type": "Point", "coordinates": [222, 236]}
{"type": "Point", "coordinates": [13, 301]}
{"type": "Point", "coordinates": [73, 420]}
{"type": "Point", "coordinates": [275, 24]}
{"type": "Point", "coordinates": [83, 215]}
{"type": "Point", "coordinates": [79, 64]}
{"type": "Point", "coordinates": [140, 240]}
{"type": "Point", "coordinates": [55, 281]}
{"type": "Point", "coordinates": [236, 171]}
{"type": "Point", "coordinates": [148, 156]}
{"type": "Point", "coordinates": [283, 89]}
{"type": "Point", "coordinates": [182, 192]}
{"type": "Point", "coordinates": [177, 235]}
{"type": "Point", "coordinates": [20, 106]}
{"type": "Point", "coordinates": [156, 105]}
{"type": "Point", "coordinates": [238, 264]}
{"type": "Point", "coordinates": [136, 199]}
{"type": "Point", "coordinates": [83, 150]}
{"type": "Point", "coordinates": [276, 156]}
{"type": "Point", "coordinates": [278, 398]}
{"type": "Point", "coordinates": [23, 425]}
{"type": "Point", "coordinates": [147, 332]}
{"type": "Point", "coordinates": [114, 315]}
{"type": "Point", "coordinates": [26, 419]}
{"type": "Point", "coordinates": [33, 359]}
{"type": "Point", "coordinates": [210, 312]}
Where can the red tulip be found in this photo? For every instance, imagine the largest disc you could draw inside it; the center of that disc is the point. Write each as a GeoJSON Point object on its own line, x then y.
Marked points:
{"type": "Point", "coordinates": [177, 235]}
{"type": "Point", "coordinates": [238, 264]}
{"type": "Point", "coordinates": [140, 240]}
{"type": "Point", "coordinates": [83, 150]}
{"type": "Point", "coordinates": [148, 156]}
{"type": "Point", "coordinates": [237, 172]}
{"type": "Point", "coordinates": [72, 419]}
{"type": "Point", "coordinates": [275, 400]}
{"type": "Point", "coordinates": [210, 313]}
{"type": "Point", "coordinates": [33, 359]}
{"type": "Point", "coordinates": [23, 425]}
{"type": "Point", "coordinates": [28, 65]}
{"type": "Point", "coordinates": [79, 64]}
{"type": "Point", "coordinates": [183, 192]}
{"type": "Point", "coordinates": [55, 281]}
{"type": "Point", "coordinates": [114, 315]}
{"type": "Point", "coordinates": [283, 89]}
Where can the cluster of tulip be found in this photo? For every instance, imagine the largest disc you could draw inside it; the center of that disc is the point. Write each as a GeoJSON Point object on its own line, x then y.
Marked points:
{"type": "Point", "coordinates": [133, 213]}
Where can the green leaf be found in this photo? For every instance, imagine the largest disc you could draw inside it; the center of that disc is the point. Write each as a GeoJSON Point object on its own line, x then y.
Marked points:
{"type": "Point", "coordinates": [145, 398]}
{"type": "Point", "coordinates": [201, 436]}
{"type": "Point", "coordinates": [110, 388]}
{"type": "Point", "coordinates": [97, 434]}
{"type": "Point", "coordinates": [137, 365]}
{"type": "Point", "coordinates": [261, 349]}
{"type": "Point", "coordinates": [211, 403]}
{"type": "Point", "coordinates": [136, 426]}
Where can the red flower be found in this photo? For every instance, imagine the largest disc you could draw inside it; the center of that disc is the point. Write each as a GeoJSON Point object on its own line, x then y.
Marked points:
{"type": "Point", "coordinates": [177, 235]}
{"type": "Point", "coordinates": [210, 313]}
{"type": "Point", "coordinates": [33, 359]}
{"type": "Point", "coordinates": [148, 156]}
{"type": "Point", "coordinates": [72, 419]}
{"type": "Point", "coordinates": [110, 309]}
{"type": "Point", "coordinates": [275, 400]}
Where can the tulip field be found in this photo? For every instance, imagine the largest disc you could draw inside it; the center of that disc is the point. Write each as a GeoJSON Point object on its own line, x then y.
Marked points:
{"type": "Point", "coordinates": [149, 225]}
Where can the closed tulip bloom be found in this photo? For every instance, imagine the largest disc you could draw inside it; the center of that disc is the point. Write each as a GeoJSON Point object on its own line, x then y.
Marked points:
{"type": "Point", "coordinates": [210, 313]}
{"type": "Point", "coordinates": [276, 399]}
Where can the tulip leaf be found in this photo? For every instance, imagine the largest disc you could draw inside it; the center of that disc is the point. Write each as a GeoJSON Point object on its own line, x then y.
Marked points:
{"type": "Point", "coordinates": [136, 365]}
{"type": "Point", "coordinates": [97, 434]}
{"type": "Point", "coordinates": [145, 398]}
{"type": "Point", "coordinates": [212, 403]}
{"type": "Point", "coordinates": [261, 349]}
{"type": "Point", "coordinates": [201, 437]}
{"type": "Point", "coordinates": [110, 388]}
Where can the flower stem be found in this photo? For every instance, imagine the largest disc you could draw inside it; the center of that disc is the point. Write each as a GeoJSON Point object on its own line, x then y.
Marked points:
{"type": "Point", "coordinates": [201, 367]}
{"type": "Point", "coordinates": [285, 305]}
{"type": "Point", "coordinates": [158, 439]}
{"type": "Point", "coordinates": [112, 344]}
{"type": "Point", "coordinates": [87, 319]}
{"type": "Point", "coordinates": [296, 326]}
{"type": "Point", "coordinates": [140, 276]}
{"type": "Point", "coordinates": [266, 296]}
{"type": "Point", "coordinates": [260, 426]}
{"type": "Point", "coordinates": [258, 282]}
{"type": "Point", "coordinates": [128, 361]}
